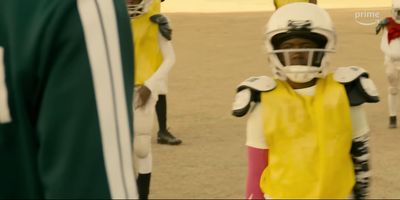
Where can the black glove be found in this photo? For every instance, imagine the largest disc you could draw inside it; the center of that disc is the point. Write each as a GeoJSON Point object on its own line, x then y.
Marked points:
{"type": "Point", "coordinates": [381, 25]}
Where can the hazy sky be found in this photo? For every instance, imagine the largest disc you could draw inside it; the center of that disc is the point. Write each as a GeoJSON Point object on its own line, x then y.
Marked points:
{"type": "Point", "coordinates": [258, 5]}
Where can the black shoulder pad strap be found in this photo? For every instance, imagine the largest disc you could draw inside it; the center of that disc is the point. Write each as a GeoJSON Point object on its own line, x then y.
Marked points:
{"type": "Point", "coordinates": [163, 25]}
{"type": "Point", "coordinates": [359, 93]}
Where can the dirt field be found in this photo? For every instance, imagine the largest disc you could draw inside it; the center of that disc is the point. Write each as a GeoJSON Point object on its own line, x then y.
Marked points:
{"type": "Point", "coordinates": [215, 52]}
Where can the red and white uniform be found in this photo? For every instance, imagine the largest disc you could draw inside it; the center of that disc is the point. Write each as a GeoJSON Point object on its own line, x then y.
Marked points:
{"type": "Point", "coordinates": [390, 46]}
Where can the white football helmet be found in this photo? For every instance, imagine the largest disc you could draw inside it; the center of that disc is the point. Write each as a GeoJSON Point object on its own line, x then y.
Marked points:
{"type": "Point", "coordinates": [138, 9]}
{"type": "Point", "coordinates": [300, 20]}
{"type": "Point", "coordinates": [396, 10]}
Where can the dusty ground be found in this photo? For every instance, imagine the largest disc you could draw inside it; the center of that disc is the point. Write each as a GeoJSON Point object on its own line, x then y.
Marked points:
{"type": "Point", "coordinates": [215, 52]}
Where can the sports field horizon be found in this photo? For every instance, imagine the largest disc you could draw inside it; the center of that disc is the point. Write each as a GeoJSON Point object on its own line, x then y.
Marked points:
{"type": "Point", "coordinates": [213, 6]}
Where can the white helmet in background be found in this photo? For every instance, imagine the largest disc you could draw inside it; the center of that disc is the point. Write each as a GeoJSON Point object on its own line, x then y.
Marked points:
{"type": "Point", "coordinates": [396, 10]}
{"type": "Point", "coordinates": [137, 8]}
{"type": "Point", "coordinates": [300, 20]}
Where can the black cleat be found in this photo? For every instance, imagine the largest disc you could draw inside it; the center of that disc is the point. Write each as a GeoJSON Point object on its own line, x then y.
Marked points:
{"type": "Point", "coordinates": [165, 137]}
{"type": "Point", "coordinates": [393, 122]}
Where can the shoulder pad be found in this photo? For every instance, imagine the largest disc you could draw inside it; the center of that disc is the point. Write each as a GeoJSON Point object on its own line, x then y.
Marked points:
{"type": "Point", "coordinates": [359, 88]}
{"type": "Point", "coordinates": [163, 25]}
{"type": "Point", "coordinates": [242, 102]}
{"type": "Point", "coordinates": [249, 91]}
{"type": "Point", "coordinates": [349, 74]}
{"type": "Point", "coordinates": [369, 87]}
{"type": "Point", "coordinates": [258, 83]}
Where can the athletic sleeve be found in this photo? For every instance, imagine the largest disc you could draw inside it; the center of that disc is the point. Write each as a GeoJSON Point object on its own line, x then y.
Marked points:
{"type": "Point", "coordinates": [254, 130]}
{"type": "Point", "coordinates": [359, 121]}
{"type": "Point", "coordinates": [257, 161]}
{"type": "Point", "coordinates": [360, 152]}
{"type": "Point", "coordinates": [157, 82]}
{"type": "Point", "coordinates": [257, 153]}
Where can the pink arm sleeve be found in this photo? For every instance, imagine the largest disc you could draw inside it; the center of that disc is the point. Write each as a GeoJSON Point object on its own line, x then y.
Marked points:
{"type": "Point", "coordinates": [257, 162]}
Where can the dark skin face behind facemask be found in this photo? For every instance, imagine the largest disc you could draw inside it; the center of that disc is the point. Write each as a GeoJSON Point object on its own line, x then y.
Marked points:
{"type": "Point", "coordinates": [298, 58]}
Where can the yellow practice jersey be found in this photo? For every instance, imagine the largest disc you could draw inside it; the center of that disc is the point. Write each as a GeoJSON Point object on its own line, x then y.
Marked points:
{"type": "Point", "coordinates": [280, 3]}
{"type": "Point", "coordinates": [309, 140]}
{"type": "Point", "coordinates": [148, 56]}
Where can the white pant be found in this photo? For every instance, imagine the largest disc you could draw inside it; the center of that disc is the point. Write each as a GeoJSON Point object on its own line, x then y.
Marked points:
{"type": "Point", "coordinates": [143, 123]}
{"type": "Point", "coordinates": [393, 74]}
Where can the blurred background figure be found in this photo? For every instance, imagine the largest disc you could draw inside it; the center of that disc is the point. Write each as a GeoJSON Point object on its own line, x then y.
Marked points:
{"type": "Point", "coordinates": [155, 57]}
{"type": "Point", "coordinates": [280, 3]}
{"type": "Point", "coordinates": [390, 46]}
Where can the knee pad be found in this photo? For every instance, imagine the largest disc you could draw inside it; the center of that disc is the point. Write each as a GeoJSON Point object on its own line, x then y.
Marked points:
{"type": "Point", "coordinates": [142, 145]}
{"type": "Point", "coordinates": [393, 90]}
{"type": "Point", "coordinates": [392, 73]}
{"type": "Point", "coordinates": [143, 165]}
{"type": "Point", "coordinates": [392, 78]}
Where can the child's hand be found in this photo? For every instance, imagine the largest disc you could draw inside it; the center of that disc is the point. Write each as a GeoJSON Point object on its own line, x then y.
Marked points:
{"type": "Point", "coordinates": [143, 94]}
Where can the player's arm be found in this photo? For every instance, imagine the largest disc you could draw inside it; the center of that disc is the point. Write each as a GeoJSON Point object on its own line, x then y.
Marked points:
{"type": "Point", "coordinates": [360, 89]}
{"type": "Point", "coordinates": [247, 101]}
{"type": "Point", "coordinates": [257, 161]}
{"type": "Point", "coordinates": [360, 156]}
{"type": "Point", "coordinates": [257, 153]}
{"type": "Point", "coordinates": [381, 25]}
{"type": "Point", "coordinates": [167, 50]}
{"type": "Point", "coordinates": [360, 152]}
